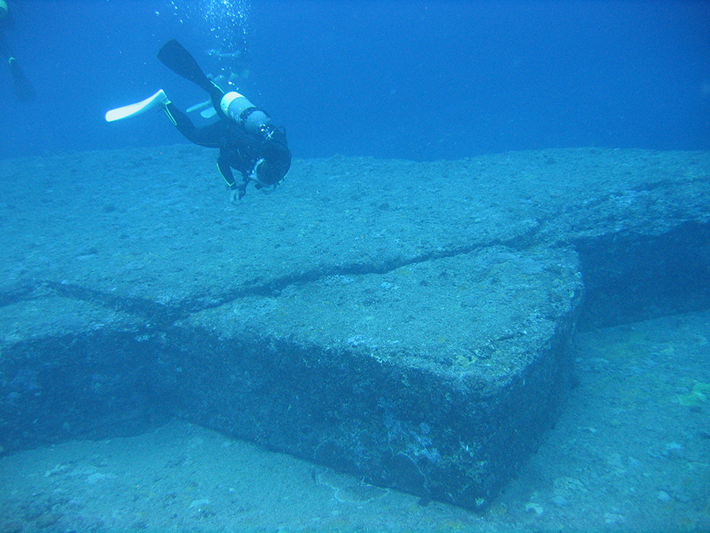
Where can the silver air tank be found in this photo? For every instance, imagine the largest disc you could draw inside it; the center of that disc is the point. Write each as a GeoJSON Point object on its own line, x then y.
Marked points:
{"type": "Point", "coordinates": [234, 104]}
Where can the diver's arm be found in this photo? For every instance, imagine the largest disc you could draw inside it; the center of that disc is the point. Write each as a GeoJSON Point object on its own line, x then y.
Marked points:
{"type": "Point", "coordinates": [236, 190]}
{"type": "Point", "coordinates": [226, 172]}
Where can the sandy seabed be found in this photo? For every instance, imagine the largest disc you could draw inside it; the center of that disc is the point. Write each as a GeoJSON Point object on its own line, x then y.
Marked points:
{"type": "Point", "coordinates": [630, 453]}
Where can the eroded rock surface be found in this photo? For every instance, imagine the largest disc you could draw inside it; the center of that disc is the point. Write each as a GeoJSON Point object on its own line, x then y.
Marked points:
{"type": "Point", "coordinates": [404, 321]}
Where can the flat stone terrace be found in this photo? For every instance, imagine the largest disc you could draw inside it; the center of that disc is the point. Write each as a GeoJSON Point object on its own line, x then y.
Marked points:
{"type": "Point", "coordinates": [404, 321]}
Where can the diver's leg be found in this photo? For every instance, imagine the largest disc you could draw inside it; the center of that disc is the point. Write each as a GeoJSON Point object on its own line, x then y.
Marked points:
{"type": "Point", "coordinates": [208, 136]}
{"type": "Point", "coordinates": [4, 50]}
{"type": "Point", "coordinates": [21, 85]}
{"type": "Point", "coordinates": [23, 88]}
{"type": "Point", "coordinates": [180, 120]}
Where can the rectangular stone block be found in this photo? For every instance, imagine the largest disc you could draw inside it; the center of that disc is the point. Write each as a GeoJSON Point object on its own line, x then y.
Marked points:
{"type": "Point", "coordinates": [437, 378]}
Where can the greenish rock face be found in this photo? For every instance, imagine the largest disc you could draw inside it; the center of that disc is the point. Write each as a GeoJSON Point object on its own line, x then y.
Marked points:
{"type": "Point", "coordinates": [407, 322]}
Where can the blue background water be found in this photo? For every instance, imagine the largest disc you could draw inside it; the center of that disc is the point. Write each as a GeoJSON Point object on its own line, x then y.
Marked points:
{"type": "Point", "coordinates": [419, 80]}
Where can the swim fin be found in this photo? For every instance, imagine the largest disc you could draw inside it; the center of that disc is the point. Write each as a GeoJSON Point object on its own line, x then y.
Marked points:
{"type": "Point", "coordinates": [205, 108]}
{"type": "Point", "coordinates": [22, 86]}
{"type": "Point", "coordinates": [159, 99]}
{"type": "Point", "coordinates": [176, 57]}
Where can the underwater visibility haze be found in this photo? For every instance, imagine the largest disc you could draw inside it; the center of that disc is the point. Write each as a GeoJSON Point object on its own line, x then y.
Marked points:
{"type": "Point", "coordinates": [417, 80]}
{"type": "Point", "coordinates": [479, 300]}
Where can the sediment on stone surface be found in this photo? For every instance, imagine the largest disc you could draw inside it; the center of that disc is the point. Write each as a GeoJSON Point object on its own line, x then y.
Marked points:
{"type": "Point", "coordinates": [403, 321]}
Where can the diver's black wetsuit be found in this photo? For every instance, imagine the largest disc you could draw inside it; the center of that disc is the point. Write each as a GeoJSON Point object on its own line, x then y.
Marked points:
{"type": "Point", "coordinates": [237, 149]}
{"type": "Point", "coordinates": [6, 23]}
{"type": "Point", "coordinates": [247, 142]}
{"type": "Point", "coordinates": [23, 89]}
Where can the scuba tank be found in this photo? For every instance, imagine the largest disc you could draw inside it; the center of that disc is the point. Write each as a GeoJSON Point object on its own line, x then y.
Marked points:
{"type": "Point", "coordinates": [242, 111]}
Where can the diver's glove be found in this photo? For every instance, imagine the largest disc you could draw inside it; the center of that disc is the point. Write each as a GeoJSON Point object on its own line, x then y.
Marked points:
{"type": "Point", "coordinates": [237, 191]}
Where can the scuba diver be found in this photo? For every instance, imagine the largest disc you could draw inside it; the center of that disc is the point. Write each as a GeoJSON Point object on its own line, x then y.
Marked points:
{"type": "Point", "coordinates": [246, 139]}
{"type": "Point", "coordinates": [21, 85]}
{"type": "Point", "coordinates": [233, 64]}
{"type": "Point", "coordinates": [232, 70]}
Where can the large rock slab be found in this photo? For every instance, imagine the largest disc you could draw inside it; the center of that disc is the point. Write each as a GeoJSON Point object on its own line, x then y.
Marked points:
{"type": "Point", "coordinates": [404, 321]}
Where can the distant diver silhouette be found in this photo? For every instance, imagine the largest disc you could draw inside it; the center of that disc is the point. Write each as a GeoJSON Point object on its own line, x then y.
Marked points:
{"type": "Point", "coordinates": [24, 92]}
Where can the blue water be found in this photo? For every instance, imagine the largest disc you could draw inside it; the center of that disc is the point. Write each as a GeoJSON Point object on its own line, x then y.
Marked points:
{"type": "Point", "coordinates": [418, 80]}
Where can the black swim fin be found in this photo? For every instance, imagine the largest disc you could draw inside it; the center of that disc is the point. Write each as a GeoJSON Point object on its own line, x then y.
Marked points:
{"type": "Point", "coordinates": [22, 86]}
{"type": "Point", "coordinates": [176, 57]}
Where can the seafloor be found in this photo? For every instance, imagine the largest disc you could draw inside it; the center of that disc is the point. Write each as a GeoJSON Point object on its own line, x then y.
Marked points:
{"type": "Point", "coordinates": [631, 452]}
{"type": "Point", "coordinates": [419, 326]}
